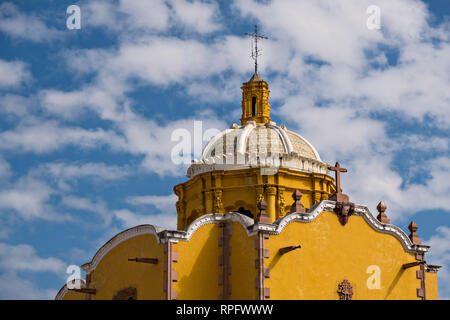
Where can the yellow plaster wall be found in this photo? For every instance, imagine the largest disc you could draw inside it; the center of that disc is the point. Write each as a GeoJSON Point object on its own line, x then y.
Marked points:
{"type": "Point", "coordinates": [198, 265]}
{"type": "Point", "coordinates": [72, 295]}
{"type": "Point", "coordinates": [331, 253]}
{"type": "Point", "coordinates": [115, 272]}
{"type": "Point", "coordinates": [243, 271]}
{"type": "Point", "coordinates": [431, 285]}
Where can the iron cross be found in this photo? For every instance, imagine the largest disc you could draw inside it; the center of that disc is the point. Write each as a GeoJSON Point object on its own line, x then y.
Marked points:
{"type": "Point", "coordinates": [256, 52]}
{"type": "Point", "coordinates": [337, 169]}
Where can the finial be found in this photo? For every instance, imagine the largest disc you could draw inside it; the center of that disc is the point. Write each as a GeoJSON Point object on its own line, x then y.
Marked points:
{"type": "Point", "coordinates": [297, 205]}
{"type": "Point", "coordinates": [413, 235]}
{"type": "Point", "coordinates": [262, 215]}
{"type": "Point", "coordinates": [382, 217]}
{"type": "Point", "coordinates": [255, 52]}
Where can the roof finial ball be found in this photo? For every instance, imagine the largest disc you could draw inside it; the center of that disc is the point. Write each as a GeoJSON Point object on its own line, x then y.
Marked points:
{"type": "Point", "coordinates": [413, 235]}
{"type": "Point", "coordinates": [382, 217]}
{"type": "Point", "coordinates": [297, 205]}
{"type": "Point", "coordinates": [262, 215]}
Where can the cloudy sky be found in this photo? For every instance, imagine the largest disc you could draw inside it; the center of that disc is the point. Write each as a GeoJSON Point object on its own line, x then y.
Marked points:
{"type": "Point", "coordinates": [86, 115]}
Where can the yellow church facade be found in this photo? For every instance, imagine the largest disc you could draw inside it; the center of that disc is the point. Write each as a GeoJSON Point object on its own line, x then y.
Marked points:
{"type": "Point", "coordinates": [261, 219]}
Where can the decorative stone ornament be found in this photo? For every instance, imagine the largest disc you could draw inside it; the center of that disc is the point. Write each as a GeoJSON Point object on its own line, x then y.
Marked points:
{"type": "Point", "coordinates": [344, 210]}
{"type": "Point", "coordinates": [297, 205]}
{"type": "Point", "coordinates": [262, 216]}
{"type": "Point", "coordinates": [345, 290]}
{"type": "Point", "coordinates": [382, 217]}
{"type": "Point", "coordinates": [413, 235]}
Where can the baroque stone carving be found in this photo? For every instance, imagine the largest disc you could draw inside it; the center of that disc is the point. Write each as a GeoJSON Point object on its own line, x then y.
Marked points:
{"type": "Point", "coordinates": [345, 290]}
{"type": "Point", "coordinates": [344, 210]}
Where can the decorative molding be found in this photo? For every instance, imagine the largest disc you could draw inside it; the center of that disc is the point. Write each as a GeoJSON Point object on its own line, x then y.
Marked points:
{"type": "Point", "coordinates": [166, 236]}
{"type": "Point", "coordinates": [119, 238]}
{"type": "Point", "coordinates": [432, 268]}
{"type": "Point", "coordinates": [62, 292]}
{"type": "Point", "coordinates": [328, 205]}
{"type": "Point", "coordinates": [292, 161]}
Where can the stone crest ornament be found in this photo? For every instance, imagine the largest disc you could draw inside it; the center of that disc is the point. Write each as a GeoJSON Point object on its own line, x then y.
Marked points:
{"type": "Point", "coordinates": [344, 210]}
{"type": "Point", "coordinates": [345, 290]}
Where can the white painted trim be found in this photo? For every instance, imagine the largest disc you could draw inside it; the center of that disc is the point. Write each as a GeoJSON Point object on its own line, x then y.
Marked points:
{"type": "Point", "coordinates": [118, 239]}
{"type": "Point", "coordinates": [242, 139]}
{"type": "Point", "coordinates": [62, 292]}
{"type": "Point", "coordinates": [164, 236]}
{"type": "Point", "coordinates": [284, 137]}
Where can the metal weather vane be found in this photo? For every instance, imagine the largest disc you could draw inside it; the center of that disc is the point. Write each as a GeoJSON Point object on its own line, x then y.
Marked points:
{"type": "Point", "coordinates": [256, 52]}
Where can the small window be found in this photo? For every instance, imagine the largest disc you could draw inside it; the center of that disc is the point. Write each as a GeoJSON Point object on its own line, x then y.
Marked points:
{"type": "Point", "coordinates": [253, 106]}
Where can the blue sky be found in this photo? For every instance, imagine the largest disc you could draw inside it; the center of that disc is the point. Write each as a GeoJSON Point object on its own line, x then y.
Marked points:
{"type": "Point", "coordinates": [86, 116]}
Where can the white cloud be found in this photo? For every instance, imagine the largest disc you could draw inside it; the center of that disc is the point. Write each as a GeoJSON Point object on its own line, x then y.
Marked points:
{"type": "Point", "coordinates": [153, 16]}
{"type": "Point", "coordinates": [130, 219]}
{"type": "Point", "coordinates": [19, 106]}
{"type": "Point", "coordinates": [12, 73]}
{"type": "Point", "coordinates": [162, 203]}
{"type": "Point", "coordinates": [29, 197]}
{"type": "Point", "coordinates": [67, 173]}
{"type": "Point", "coordinates": [23, 257]}
{"type": "Point", "coordinates": [13, 287]}
{"type": "Point", "coordinates": [196, 15]}
{"type": "Point", "coordinates": [5, 169]}
{"type": "Point", "coordinates": [85, 204]}
{"type": "Point", "coordinates": [23, 26]}
{"type": "Point", "coordinates": [49, 136]}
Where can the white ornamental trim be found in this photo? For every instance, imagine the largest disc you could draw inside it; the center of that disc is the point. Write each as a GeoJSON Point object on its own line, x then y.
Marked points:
{"type": "Point", "coordinates": [164, 236]}
{"type": "Point", "coordinates": [328, 205]}
{"type": "Point", "coordinates": [118, 239]}
{"type": "Point", "coordinates": [62, 292]}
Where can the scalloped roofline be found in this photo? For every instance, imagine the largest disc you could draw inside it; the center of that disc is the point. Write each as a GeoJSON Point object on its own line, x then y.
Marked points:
{"type": "Point", "coordinates": [163, 236]}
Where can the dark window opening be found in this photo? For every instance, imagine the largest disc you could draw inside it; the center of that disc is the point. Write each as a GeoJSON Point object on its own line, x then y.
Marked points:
{"type": "Point", "coordinates": [253, 106]}
{"type": "Point", "coordinates": [247, 213]}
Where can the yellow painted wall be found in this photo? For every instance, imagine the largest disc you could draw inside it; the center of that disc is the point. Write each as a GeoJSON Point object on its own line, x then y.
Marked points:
{"type": "Point", "coordinates": [431, 286]}
{"type": "Point", "coordinates": [72, 295]}
{"type": "Point", "coordinates": [115, 272]}
{"type": "Point", "coordinates": [243, 271]}
{"type": "Point", "coordinates": [331, 253]}
{"type": "Point", "coordinates": [198, 265]}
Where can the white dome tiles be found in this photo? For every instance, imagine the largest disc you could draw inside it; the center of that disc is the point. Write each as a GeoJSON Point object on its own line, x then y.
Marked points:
{"type": "Point", "coordinates": [258, 145]}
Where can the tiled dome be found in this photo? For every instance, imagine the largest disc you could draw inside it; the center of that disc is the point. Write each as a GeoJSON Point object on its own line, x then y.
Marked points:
{"type": "Point", "coordinates": [258, 145]}
{"type": "Point", "coordinates": [259, 138]}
